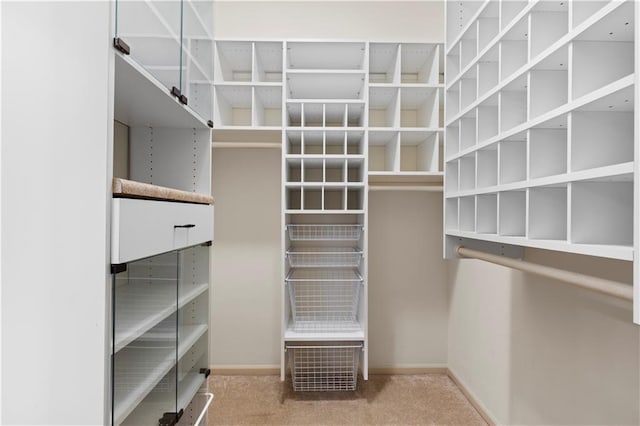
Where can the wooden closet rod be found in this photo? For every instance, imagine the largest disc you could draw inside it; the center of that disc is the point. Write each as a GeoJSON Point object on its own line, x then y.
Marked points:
{"type": "Point", "coordinates": [599, 285]}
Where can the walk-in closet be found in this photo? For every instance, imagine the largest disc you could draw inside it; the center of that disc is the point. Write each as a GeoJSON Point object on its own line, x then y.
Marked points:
{"type": "Point", "coordinates": [230, 212]}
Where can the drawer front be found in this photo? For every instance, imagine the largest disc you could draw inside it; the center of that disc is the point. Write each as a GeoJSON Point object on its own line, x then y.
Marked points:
{"type": "Point", "coordinates": [143, 228]}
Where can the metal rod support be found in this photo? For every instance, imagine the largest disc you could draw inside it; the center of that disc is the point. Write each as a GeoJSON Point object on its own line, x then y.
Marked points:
{"type": "Point", "coordinates": [600, 285]}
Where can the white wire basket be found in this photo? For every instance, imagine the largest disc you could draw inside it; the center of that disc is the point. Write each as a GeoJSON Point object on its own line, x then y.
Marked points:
{"type": "Point", "coordinates": [324, 368]}
{"type": "Point", "coordinates": [324, 232]}
{"type": "Point", "coordinates": [324, 299]}
{"type": "Point", "coordinates": [324, 257]}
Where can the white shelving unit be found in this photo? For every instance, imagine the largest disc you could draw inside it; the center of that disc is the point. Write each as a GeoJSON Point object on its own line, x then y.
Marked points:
{"type": "Point", "coordinates": [405, 113]}
{"type": "Point", "coordinates": [324, 170]}
{"type": "Point", "coordinates": [541, 126]}
{"type": "Point", "coordinates": [160, 286]}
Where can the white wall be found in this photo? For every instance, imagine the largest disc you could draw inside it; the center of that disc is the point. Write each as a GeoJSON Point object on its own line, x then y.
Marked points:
{"type": "Point", "coordinates": [535, 351]}
{"type": "Point", "coordinates": [364, 20]}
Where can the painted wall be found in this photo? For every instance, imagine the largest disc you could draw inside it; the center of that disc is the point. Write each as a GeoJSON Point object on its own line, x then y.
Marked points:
{"type": "Point", "coordinates": [536, 351]}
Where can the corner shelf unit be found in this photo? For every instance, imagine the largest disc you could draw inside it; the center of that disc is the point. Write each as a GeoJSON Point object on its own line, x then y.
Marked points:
{"type": "Point", "coordinates": [160, 268]}
{"type": "Point", "coordinates": [533, 91]}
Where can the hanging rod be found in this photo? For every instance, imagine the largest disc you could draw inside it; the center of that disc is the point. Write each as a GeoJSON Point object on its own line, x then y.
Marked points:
{"type": "Point", "coordinates": [599, 285]}
{"type": "Point", "coordinates": [404, 188]}
{"type": "Point", "coordinates": [274, 145]}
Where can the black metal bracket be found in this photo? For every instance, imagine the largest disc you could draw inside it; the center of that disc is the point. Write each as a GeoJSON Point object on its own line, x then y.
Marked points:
{"type": "Point", "coordinates": [183, 99]}
{"type": "Point", "coordinates": [207, 244]}
{"type": "Point", "coordinates": [188, 225]}
{"type": "Point", "coordinates": [170, 419]}
{"type": "Point", "coordinates": [117, 268]}
{"type": "Point", "coordinates": [210, 123]}
{"type": "Point", "coordinates": [175, 92]}
{"type": "Point", "coordinates": [205, 371]}
{"type": "Point", "coordinates": [121, 46]}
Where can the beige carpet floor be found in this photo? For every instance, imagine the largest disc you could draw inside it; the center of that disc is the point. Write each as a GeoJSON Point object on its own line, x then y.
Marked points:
{"type": "Point", "coordinates": [431, 399]}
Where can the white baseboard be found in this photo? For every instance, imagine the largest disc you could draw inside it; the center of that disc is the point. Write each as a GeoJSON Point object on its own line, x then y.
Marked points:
{"type": "Point", "coordinates": [480, 408]}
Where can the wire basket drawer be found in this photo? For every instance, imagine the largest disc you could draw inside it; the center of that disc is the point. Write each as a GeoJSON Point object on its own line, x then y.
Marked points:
{"type": "Point", "coordinates": [325, 257]}
{"type": "Point", "coordinates": [324, 232]}
{"type": "Point", "coordinates": [324, 299]}
{"type": "Point", "coordinates": [324, 368]}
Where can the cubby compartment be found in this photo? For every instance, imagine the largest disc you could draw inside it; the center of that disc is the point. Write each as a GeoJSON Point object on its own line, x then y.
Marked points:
{"type": "Point", "coordinates": [294, 115]}
{"type": "Point", "coordinates": [334, 142]}
{"type": "Point", "coordinates": [294, 170]}
{"type": "Point", "coordinates": [549, 84]}
{"type": "Point", "coordinates": [548, 213]}
{"type": "Point", "coordinates": [419, 63]}
{"type": "Point", "coordinates": [549, 22]}
{"type": "Point", "coordinates": [468, 88]}
{"type": "Point", "coordinates": [452, 144]}
{"type": "Point", "coordinates": [384, 107]}
{"type": "Point", "coordinates": [312, 115]}
{"type": "Point", "coordinates": [355, 170]}
{"type": "Point", "coordinates": [487, 164]}
{"type": "Point", "coordinates": [467, 214]}
{"type": "Point", "coordinates": [602, 212]}
{"type": "Point", "coordinates": [312, 142]}
{"type": "Point", "coordinates": [468, 46]}
{"type": "Point", "coordinates": [293, 143]}
{"type": "Point", "coordinates": [468, 130]}
{"type": "Point", "coordinates": [514, 49]}
{"type": "Point", "coordinates": [419, 151]}
{"type": "Point", "coordinates": [604, 53]}
{"type": "Point", "coordinates": [312, 198]}
{"type": "Point", "coordinates": [451, 218]}
{"type": "Point", "coordinates": [233, 61]}
{"type": "Point", "coordinates": [451, 177]}
{"type": "Point", "coordinates": [488, 25]}
{"type": "Point", "coordinates": [459, 14]}
{"type": "Point", "coordinates": [513, 104]}
{"type": "Point", "coordinates": [355, 198]}
{"type": "Point", "coordinates": [334, 170]}
{"type": "Point", "coordinates": [600, 139]}
{"type": "Point", "coordinates": [583, 10]}
{"type": "Point", "coordinates": [419, 107]}
{"type": "Point", "coordinates": [325, 55]}
{"type": "Point", "coordinates": [547, 152]}
{"type": "Point", "coordinates": [355, 115]}
{"type": "Point", "coordinates": [487, 214]}
{"type": "Point", "coordinates": [513, 159]}
{"type": "Point", "coordinates": [488, 72]}
{"type": "Point", "coordinates": [510, 10]}
{"type": "Point", "coordinates": [267, 61]}
{"type": "Point", "coordinates": [267, 106]}
{"type": "Point", "coordinates": [453, 63]}
{"type": "Point", "coordinates": [336, 85]}
{"type": "Point", "coordinates": [355, 143]}
{"type": "Point", "coordinates": [488, 119]}
{"type": "Point", "coordinates": [312, 170]}
{"type": "Point", "coordinates": [334, 198]}
{"type": "Point", "coordinates": [512, 206]}
{"type": "Point", "coordinates": [467, 175]}
{"type": "Point", "coordinates": [384, 64]}
{"type": "Point", "coordinates": [335, 115]}
{"type": "Point", "coordinates": [233, 105]}
{"type": "Point", "coordinates": [384, 151]}
{"type": "Point", "coordinates": [294, 198]}
{"type": "Point", "coordinates": [453, 101]}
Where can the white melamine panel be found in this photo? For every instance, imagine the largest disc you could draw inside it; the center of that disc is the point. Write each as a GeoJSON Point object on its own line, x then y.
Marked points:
{"type": "Point", "coordinates": [419, 107]}
{"type": "Point", "coordinates": [384, 107]}
{"type": "Point", "coordinates": [602, 212]}
{"type": "Point", "coordinates": [583, 10]}
{"type": "Point", "coordinates": [547, 152]}
{"type": "Point", "coordinates": [487, 166]}
{"type": "Point", "coordinates": [467, 166]}
{"type": "Point", "coordinates": [233, 61]}
{"type": "Point", "coordinates": [451, 180]}
{"type": "Point", "coordinates": [325, 55]}
{"type": "Point", "coordinates": [384, 63]}
{"type": "Point", "coordinates": [267, 61]}
{"type": "Point", "coordinates": [232, 106]}
{"type": "Point", "coordinates": [509, 10]}
{"type": "Point", "coordinates": [468, 131]}
{"type": "Point", "coordinates": [488, 25]}
{"type": "Point", "coordinates": [488, 71]}
{"type": "Point", "coordinates": [453, 63]}
{"type": "Point", "coordinates": [452, 145]}
{"type": "Point", "coordinates": [487, 214]}
{"type": "Point", "coordinates": [468, 88]}
{"type": "Point", "coordinates": [467, 214]}
{"type": "Point", "coordinates": [459, 15]}
{"type": "Point", "coordinates": [548, 213]}
{"type": "Point", "coordinates": [488, 119]}
{"type": "Point", "coordinates": [318, 85]}
{"type": "Point", "coordinates": [547, 26]}
{"type": "Point", "coordinates": [451, 218]}
{"type": "Point", "coordinates": [469, 45]}
{"type": "Point", "coordinates": [453, 100]}
{"type": "Point", "coordinates": [548, 89]}
{"type": "Point", "coordinates": [419, 151]}
{"type": "Point", "coordinates": [175, 158]}
{"type": "Point", "coordinates": [419, 63]}
{"type": "Point", "coordinates": [513, 104]}
{"type": "Point", "coordinates": [134, 236]}
{"type": "Point", "coordinates": [512, 213]}
{"type": "Point", "coordinates": [267, 106]}
{"type": "Point", "coordinates": [513, 159]}
{"type": "Point", "coordinates": [598, 63]}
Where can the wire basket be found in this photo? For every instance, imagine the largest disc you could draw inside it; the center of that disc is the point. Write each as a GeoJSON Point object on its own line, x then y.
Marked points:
{"type": "Point", "coordinates": [324, 232]}
{"type": "Point", "coordinates": [324, 299]}
{"type": "Point", "coordinates": [324, 257]}
{"type": "Point", "coordinates": [324, 368]}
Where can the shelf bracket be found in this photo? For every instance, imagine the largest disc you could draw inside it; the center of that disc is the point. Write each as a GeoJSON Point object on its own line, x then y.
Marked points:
{"type": "Point", "coordinates": [206, 372]}
{"type": "Point", "coordinates": [117, 268]}
{"type": "Point", "coordinates": [178, 94]}
{"type": "Point", "coordinates": [210, 123]}
{"type": "Point", "coordinates": [121, 46]}
{"type": "Point", "coordinates": [170, 419]}
{"type": "Point", "coordinates": [207, 244]}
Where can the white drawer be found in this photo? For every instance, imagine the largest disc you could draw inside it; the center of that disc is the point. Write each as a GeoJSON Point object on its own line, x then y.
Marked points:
{"type": "Point", "coordinates": [143, 228]}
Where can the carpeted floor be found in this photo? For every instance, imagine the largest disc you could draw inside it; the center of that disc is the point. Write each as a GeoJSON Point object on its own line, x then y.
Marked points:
{"type": "Point", "coordinates": [383, 400]}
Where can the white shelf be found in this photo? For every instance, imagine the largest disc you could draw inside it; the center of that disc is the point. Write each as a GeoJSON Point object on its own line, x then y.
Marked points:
{"type": "Point", "coordinates": [325, 55]}
{"type": "Point", "coordinates": [188, 388]}
{"type": "Point", "coordinates": [290, 335]}
{"type": "Point", "coordinates": [141, 100]}
{"type": "Point", "coordinates": [325, 85]}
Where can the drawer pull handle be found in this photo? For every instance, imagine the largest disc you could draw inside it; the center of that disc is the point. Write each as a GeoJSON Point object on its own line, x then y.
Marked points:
{"type": "Point", "coordinates": [189, 225]}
